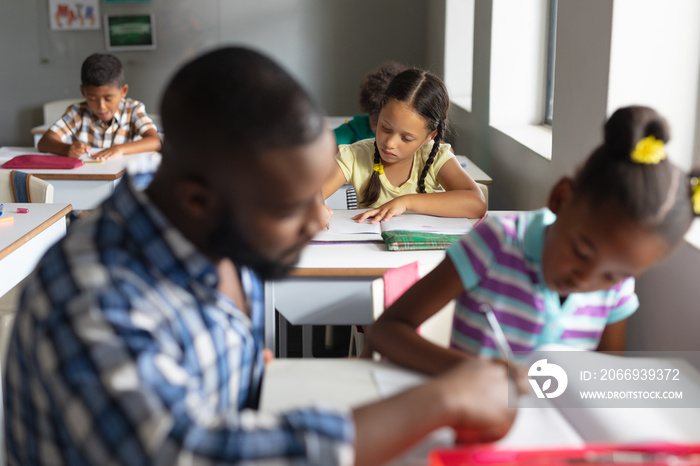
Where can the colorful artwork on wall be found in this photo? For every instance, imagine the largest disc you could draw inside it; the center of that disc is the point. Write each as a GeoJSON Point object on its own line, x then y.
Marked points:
{"type": "Point", "coordinates": [71, 15]}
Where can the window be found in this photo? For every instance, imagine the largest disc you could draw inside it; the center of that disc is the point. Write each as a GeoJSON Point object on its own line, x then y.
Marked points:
{"type": "Point", "coordinates": [459, 50]}
{"type": "Point", "coordinates": [551, 52]}
{"type": "Point", "coordinates": [519, 34]}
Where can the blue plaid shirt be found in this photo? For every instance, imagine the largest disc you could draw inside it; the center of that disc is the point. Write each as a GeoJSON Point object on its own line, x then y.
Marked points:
{"type": "Point", "coordinates": [123, 352]}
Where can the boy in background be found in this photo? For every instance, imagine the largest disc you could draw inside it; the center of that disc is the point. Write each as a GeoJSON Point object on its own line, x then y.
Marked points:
{"type": "Point", "coordinates": [105, 120]}
{"type": "Point", "coordinates": [371, 92]}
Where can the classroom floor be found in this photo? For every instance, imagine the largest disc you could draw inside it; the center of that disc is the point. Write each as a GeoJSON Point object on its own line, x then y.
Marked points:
{"type": "Point", "coordinates": [339, 349]}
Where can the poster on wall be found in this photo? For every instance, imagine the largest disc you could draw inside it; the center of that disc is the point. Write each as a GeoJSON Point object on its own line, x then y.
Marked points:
{"type": "Point", "coordinates": [130, 32]}
{"type": "Point", "coordinates": [72, 15]}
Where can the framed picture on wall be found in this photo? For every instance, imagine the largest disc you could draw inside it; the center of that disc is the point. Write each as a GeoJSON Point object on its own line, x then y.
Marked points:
{"type": "Point", "coordinates": [130, 32]}
{"type": "Point", "coordinates": [73, 15]}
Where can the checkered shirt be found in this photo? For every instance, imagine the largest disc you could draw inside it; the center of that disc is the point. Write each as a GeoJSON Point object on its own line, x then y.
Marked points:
{"type": "Point", "coordinates": [123, 352]}
{"type": "Point", "coordinates": [129, 123]}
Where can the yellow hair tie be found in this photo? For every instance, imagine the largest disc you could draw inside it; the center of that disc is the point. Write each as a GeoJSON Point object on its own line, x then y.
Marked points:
{"type": "Point", "coordinates": [695, 198]}
{"type": "Point", "coordinates": [378, 167]}
{"type": "Point", "coordinates": [649, 151]}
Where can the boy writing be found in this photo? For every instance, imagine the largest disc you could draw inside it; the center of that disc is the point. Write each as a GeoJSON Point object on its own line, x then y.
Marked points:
{"type": "Point", "coordinates": [139, 340]}
{"type": "Point", "coordinates": [105, 120]}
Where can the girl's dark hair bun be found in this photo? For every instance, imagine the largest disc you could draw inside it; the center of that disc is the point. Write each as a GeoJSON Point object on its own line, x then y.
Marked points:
{"type": "Point", "coordinates": [628, 125]}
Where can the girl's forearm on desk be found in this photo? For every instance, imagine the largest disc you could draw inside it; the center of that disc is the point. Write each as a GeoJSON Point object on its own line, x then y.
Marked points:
{"type": "Point", "coordinates": [459, 203]}
{"type": "Point", "coordinates": [402, 345]}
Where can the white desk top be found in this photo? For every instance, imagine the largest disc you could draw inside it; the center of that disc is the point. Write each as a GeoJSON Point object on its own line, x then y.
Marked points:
{"type": "Point", "coordinates": [25, 238]}
{"type": "Point", "coordinates": [294, 383]}
{"type": "Point", "coordinates": [363, 259]}
{"type": "Point", "coordinates": [108, 170]}
{"type": "Point", "coordinates": [358, 259]}
{"type": "Point", "coordinates": [24, 227]}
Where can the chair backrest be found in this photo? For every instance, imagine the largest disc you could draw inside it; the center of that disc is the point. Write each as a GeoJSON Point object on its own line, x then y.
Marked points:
{"type": "Point", "coordinates": [38, 190]}
{"type": "Point", "coordinates": [351, 198]}
{"type": "Point", "coordinates": [437, 329]}
{"type": "Point", "coordinates": [55, 109]}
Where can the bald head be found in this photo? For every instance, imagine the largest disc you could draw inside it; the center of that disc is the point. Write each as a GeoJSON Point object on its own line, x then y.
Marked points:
{"type": "Point", "coordinates": [229, 106]}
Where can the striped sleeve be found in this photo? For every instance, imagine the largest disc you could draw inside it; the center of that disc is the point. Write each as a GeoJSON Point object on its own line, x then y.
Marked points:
{"type": "Point", "coordinates": [473, 255]}
{"type": "Point", "coordinates": [627, 302]}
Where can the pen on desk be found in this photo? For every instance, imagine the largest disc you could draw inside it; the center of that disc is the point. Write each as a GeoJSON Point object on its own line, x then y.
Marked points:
{"type": "Point", "coordinates": [499, 338]}
{"type": "Point", "coordinates": [481, 220]}
{"type": "Point", "coordinates": [1, 208]}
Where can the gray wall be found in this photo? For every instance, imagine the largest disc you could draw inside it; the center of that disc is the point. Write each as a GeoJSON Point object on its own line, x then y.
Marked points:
{"type": "Point", "coordinates": [329, 45]}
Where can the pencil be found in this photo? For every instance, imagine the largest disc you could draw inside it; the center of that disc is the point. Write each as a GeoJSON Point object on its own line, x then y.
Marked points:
{"type": "Point", "coordinates": [74, 136]}
{"type": "Point", "coordinates": [499, 337]}
{"type": "Point", "coordinates": [7, 218]}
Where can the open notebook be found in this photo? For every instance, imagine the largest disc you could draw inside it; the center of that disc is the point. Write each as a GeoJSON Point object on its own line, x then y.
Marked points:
{"type": "Point", "coordinates": [556, 423]}
{"type": "Point", "coordinates": [343, 228]}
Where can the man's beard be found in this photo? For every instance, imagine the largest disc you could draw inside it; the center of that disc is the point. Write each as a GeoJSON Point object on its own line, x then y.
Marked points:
{"type": "Point", "coordinates": [227, 241]}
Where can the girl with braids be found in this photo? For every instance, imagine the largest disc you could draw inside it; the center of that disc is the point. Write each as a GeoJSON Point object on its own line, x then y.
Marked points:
{"type": "Point", "coordinates": [406, 167]}
{"type": "Point", "coordinates": [563, 274]}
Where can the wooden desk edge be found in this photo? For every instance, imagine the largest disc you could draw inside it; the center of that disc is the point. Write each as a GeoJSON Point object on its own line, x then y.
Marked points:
{"type": "Point", "coordinates": [69, 176]}
{"type": "Point", "coordinates": [41, 227]}
{"type": "Point", "coordinates": [339, 272]}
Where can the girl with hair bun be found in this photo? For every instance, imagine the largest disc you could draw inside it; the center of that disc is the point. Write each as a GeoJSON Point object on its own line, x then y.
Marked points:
{"type": "Point", "coordinates": [563, 274]}
{"type": "Point", "coordinates": [406, 167]}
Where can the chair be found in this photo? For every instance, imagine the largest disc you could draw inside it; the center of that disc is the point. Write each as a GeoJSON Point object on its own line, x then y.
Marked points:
{"type": "Point", "coordinates": [351, 198]}
{"type": "Point", "coordinates": [17, 186]}
{"type": "Point", "coordinates": [55, 109]}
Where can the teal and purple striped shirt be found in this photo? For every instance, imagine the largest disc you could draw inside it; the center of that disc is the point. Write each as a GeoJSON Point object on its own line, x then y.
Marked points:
{"type": "Point", "coordinates": [500, 264]}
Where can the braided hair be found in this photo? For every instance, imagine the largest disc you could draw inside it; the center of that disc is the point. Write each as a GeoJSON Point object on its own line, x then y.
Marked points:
{"type": "Point", "coordinates": [648, 189]}
{"type": "Point", "coordinates": [427, 96]}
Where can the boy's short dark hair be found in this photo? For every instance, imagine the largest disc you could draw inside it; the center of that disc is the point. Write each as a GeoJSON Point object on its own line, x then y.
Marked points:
{"type": "Point", "coordinates": [100, 69]}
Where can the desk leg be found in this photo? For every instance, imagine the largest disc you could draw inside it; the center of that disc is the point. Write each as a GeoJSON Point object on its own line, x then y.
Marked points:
{"type": "Point", "coordinates": [307, 332]}
{"type": "Point", "coordinates": [282, 336]}
{"type": "Point", "coordinates": [269, 298]}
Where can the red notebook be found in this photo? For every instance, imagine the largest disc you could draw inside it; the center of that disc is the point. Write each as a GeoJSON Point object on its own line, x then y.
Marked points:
{"type": "Point", "coordinates": [42, 161]}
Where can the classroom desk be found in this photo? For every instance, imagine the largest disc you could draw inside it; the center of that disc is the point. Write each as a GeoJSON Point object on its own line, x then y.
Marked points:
{"type": "Point", "coordinates": [87, 186]}
{"type": "Point", "coordinates": [294, 383]}
{"type": "Point", "coordinates": [25, 239]}
{"type": "Point", "coordinates": [331, 286]}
